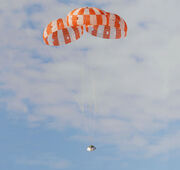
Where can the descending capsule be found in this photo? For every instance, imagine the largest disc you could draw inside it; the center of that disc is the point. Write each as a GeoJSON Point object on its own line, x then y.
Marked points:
{"type": "Point", "coordinates": [91, 148]}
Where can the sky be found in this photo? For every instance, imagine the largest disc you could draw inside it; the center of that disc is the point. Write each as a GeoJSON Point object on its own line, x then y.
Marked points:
{"type": "Point", "coordinates": [122, 95]}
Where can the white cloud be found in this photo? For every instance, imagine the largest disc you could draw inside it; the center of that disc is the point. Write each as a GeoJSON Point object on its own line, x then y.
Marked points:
{"type": "Point", "coordinates": [166, 144]}
{"type": "Point", "coordinates": [48, 160]}
{"type": "Point", "coordinates": [131, 84]}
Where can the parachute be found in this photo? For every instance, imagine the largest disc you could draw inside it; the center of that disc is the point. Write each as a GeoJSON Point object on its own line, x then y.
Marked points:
{"type": "Point", "coordinates": [95, 21]}
{"type": "Point", "coordinates": [58, 33]}
{"type": "Point", "coordinates": [86, 16]}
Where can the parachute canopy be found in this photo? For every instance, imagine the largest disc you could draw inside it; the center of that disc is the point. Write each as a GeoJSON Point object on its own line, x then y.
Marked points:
{"type": "Point", "coordinates": [58, 33]}
{"type": "Point", "coordinates": [97, 22]}
{"type": "Point", "coordinates": [86, 16]}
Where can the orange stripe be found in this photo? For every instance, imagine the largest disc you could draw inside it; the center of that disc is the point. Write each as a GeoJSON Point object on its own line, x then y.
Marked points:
{"type": "Point", "coordinates": [94, 32]}
{"type": "Point", "coordinates": [71, 13]}
{"type": "Point", "coordinates": [107, 13]}
{"type": "Point", "coordinates": [76, 31]}
{"type": "Point", "coordinates": [117, 17]}
{"type": "Point", "coordinates": [82, 30]}
{"type": "Point", "coordinates": [81, 11]}
{"type": "Point", "coordinates": [60, 24]}
{"type": "Point", "coordinates": [100, 11]}
{"type": "Point", "coordinates": [74, 20]}
{"type": "Point", "coordinates": [67, 37]}
{"type": "Point", "coordinates": [108, 18]}
{"type": "Point", "coordinates": [86, 19]}
{"type": "Point", "coordinates": [45, 40]}
{"type": "Point", "coordinates": [49, 28]}
{"type": "Point", "coordinates": [106, 33]}
{"type": "Point", "coordinates": [99, 19]}
{"type": "Point", "coordinates": [116, 23]}
{"type": "Point", "coordinates": [87, 28]}
{"type": "Point", "coordinates": [117, 20]}
{"type": "Point", "coordinates": [125, 28]}
{"type": "Point", "coordinates": [118, 33]}
{"type": "Point", "coordinates": [55, 38]}
{"type": "Point", "coordinates": [91, 11]}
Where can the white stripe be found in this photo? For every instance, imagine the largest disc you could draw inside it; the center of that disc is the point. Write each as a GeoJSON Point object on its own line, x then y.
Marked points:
{"type": "Point", "coordinates": [91, 29]}
{"type": "Point", "coordinates": [71, 34]}
{"type": "Point", "coordinates": [70, 20]}
{"type": "Point", "coordinates": [45, 32]}
{"type": "Point", "coordinates": [50, 40]}
{"type": "Point", "coordinates": [96, 11]}
{"type": "Point", "coordinates": [107, 32]}
{"type": "Point", "coordinates": [122, 26]}
{"type": "Point", "coordinates": [65, 22]}
{"type": "Point", "coordinates": [122, 33]}
{"type": "Point", "coordinates": [100, 31]}
{"type": "Point", "coordinates": [80, 20]}
{"type": "Point", "coordinates": [112, 32]}
{"type": "Point", "coordinates": [104, 19]}
{"type": "Point", "coordinates": [60, 37]}
{"type": "Point", "coordinates": [80, 30]}
{"type": "Point", "coordinates": [86, 11]}
{"type": "Point", "coordinates": [93, 20]}
{"type": "Point", "coordinates": [54, 26]}
{"type": "Point", "coordinates": [76, 11]}
{"type": "Point", "coordinates": [112, 19]}
{"type": "Point", "coordinates": [122, 23]}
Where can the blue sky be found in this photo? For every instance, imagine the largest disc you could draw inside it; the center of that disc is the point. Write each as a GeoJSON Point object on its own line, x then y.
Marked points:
{"type": "Point", "coordinates": [121, 95]}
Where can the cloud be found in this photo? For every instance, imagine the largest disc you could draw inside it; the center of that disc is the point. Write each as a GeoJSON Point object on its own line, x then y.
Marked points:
{"type": "Point", "coordinates": [45, 160]}
{"type": "Point", "coordinates": [166, 144]}
{"type": "Point", "coordinates": [128, 88]}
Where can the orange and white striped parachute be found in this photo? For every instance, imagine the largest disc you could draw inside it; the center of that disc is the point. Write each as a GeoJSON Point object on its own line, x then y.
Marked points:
{"type": "Point", "coordinates": [58, 33]}
{"type": "Point", "coordinates": [97, 22]}
{"type": "Point", "coordinates": [104, 31]}
{"type": "Point", "coordinates": [86, 16]}
{"type": "Point", "coordinates": [115, 28]}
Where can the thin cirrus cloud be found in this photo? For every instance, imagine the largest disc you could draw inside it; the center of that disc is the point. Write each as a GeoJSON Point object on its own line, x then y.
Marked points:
{"type": "Point", "coordinates": [47, 160]}
{"type": "Point", "coordinates": [133, 83]}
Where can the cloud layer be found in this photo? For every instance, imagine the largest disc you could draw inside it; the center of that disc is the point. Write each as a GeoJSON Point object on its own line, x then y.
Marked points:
{"type": "Point", "coordinates": [126, 91]}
